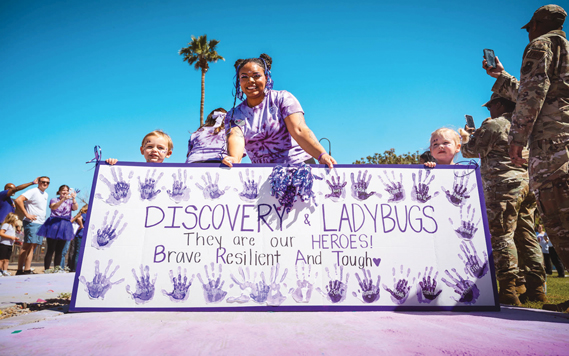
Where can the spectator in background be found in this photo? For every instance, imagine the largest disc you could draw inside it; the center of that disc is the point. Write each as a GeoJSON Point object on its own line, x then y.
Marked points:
{"type": "Point", "coordinates": [549, 253]}
{"type": "Point", "coordinates": [7, 239]}
{"type": "Point", "coordinates": [33, 204]}
{"type": "Point", "coordinates": [81, 220]}
{"type": "Point", "coordinates": [57, 229]}
{"type": "Point", "coordinates": [426, 157]}
{"type": "Point", "coordinates": [6, 203]}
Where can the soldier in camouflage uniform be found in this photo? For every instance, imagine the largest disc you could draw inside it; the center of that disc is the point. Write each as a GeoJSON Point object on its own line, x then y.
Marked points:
{"type": "Point", "coordinates": [542, 118]}
{"type": "Point", "coordinates": [510, 205]}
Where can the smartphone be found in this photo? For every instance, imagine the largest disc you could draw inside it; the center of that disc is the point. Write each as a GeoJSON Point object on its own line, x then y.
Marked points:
{"type": "Point", "coordinates": [469, 121]}
{"type": "Point", "coordinates": [490, 57]}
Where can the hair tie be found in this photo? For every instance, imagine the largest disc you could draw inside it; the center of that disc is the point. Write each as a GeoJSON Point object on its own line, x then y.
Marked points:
{"type": "Point", "coordinates": [219, 116]}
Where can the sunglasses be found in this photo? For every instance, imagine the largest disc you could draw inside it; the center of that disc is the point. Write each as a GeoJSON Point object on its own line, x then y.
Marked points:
{"type": "Point", "coordinates": [44, 182]}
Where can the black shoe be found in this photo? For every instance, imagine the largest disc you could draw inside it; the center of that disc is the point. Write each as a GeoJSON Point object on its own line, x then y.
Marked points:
{"type": "Point", "coordinates": [29, 271]}
{"type": "Point", "coordinates": [561, 276]}
{"type": "Point", "coordinates": [19, 272]}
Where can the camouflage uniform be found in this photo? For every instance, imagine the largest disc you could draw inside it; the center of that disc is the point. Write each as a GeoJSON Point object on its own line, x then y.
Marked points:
{"type": "Point", "coordinates": [542, 118]}
{"type": "Point", "coordinates": [510, 205]}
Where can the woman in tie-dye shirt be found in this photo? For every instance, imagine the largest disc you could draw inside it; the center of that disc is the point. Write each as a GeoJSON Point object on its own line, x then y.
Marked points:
{"type": "Point", "coordinates": [269, 124]}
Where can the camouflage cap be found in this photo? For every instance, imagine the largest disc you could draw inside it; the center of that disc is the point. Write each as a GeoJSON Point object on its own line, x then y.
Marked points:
{"type": "Point", "coordinates": [494, 97]}
{"type": "Point", "coordinates": [548, 13]}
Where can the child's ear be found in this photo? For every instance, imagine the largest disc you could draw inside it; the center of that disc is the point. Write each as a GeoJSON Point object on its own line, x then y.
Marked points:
{"type": "Point", "coordinates": [142, 150]}
{"type": "Point", "coordinates": [169, 154]}
{"type": "Point", "coordinates": [458, 148]}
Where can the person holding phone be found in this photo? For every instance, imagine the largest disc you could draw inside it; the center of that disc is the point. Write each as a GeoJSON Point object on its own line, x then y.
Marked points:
{"type": "Point", "coordinates": [541, 118]}
{"type": "Point", "coordinates": [510, 205]}
{"type": "Point", "coordinates": [269, 124]}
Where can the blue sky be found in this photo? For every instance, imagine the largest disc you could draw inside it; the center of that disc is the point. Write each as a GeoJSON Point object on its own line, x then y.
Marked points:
{"type": "Point", "coordinates": [370, 76]}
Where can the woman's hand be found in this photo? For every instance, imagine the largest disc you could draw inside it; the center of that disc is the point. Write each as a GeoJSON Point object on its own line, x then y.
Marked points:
{"type": "Point", "coordinates": [111, 161]}
{"type": "Point", "coordinates": [327, 160]}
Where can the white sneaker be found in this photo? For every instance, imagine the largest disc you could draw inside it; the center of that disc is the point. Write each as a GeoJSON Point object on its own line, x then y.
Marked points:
{"type": "Point", "coordinates": [6, 273]}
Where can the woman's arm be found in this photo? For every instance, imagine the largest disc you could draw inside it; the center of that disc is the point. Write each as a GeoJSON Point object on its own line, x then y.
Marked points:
{"type": "Point", "coordinates": [298, 129]}
{"type": "Point", "coordinates": [235, 147]}
{"type": "Point", "coordinates": [57, 204]}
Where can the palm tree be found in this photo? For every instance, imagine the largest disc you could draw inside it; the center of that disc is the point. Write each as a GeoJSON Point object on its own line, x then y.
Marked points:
{"type": "Point", "coordinates": [199, 53]}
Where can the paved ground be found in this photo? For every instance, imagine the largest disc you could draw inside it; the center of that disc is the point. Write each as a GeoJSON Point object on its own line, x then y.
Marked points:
{"type": "Point", "coordinates": [512, 331]}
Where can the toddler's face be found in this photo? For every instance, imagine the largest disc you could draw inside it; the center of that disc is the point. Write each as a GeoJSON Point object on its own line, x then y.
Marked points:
{"type": "Point", "coordinates": [155, 149]}
{"type": "Point", "coordinates": [443, 148]}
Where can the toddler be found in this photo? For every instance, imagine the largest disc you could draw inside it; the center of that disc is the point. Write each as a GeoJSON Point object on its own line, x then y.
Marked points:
{"type": "Point", "coordinates": [7, 239]}
{"type": "Point", "coordinates": [445, 144]}
{"type": "Point", "coordinates": [156, 147]}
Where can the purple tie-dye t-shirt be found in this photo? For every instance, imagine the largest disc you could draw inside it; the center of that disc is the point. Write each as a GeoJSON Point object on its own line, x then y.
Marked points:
{"type": "Point", "coordinates": [267, 139]}
{"type": "Point", "coordinates": [205, 145]}
{"type": "Point", "coordinates": [64, 210]}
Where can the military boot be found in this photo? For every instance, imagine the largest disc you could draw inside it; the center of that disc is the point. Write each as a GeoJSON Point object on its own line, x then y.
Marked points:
{"type": "Point", "coordinates": [507, 293]}
{"type": "Point", "coordinates": [561, 307]}
{"type": "Point", "coordinates": [520, 286]}
{"type": "Point", "coordinates": [534, 292]}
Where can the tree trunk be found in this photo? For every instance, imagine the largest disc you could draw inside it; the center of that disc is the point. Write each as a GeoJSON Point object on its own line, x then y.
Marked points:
{"type": "Point", "coordinates": [203, 97]}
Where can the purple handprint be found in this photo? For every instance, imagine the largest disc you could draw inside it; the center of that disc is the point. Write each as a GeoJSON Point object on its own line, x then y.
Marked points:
{"type": "Point", "coordinates": [212, 290]}
{"type": "Point", "coordinates": [401, 287]}
{"type": "Point", "coordinates": [303, 291]}
{"type": "Point", "coordinates": [359, 186]}
{"type": "Point", "coordinates": [275, 297]}
{"type": "Point", "coordinates": [101, 284]}
{"type": "Point", "coordinates": [338, 193]}
{"type": "Point", "coordinates": [181, 286]}
{"type": "Point", "coordinates": [211, 190]}
{"type": "Point", "coordinates": [336, 289]}
{"type": "Point", "coordinates": [467, 290]}
{"type": "Point", "coordinates": [147, 189]}
{"type": "Point", "coordinates": [420, 191]}
{"type": "Point", "coordinates": [258, 291]}
{"type": "Point", "coordinates": [180, 191]}
{"type": "Point", "coordinates": [369, 291]}
{"type": "Point", "coordinates": [108, 234]}
{"type": "Point", "coordinates": [144, 286]}
{"type": "Point", "coordinates": [119, 191]}
{"type": "Point", "coordinates": [394, 188]}
{"type": "Point", "coordinates": [427, 288]}
{"type": "Point", "coordinates": [460, 192]}
{"type": "Point", "coordinates": [467, 228]}
{"type": "Point", "coordinates": [250, 187]}
{"type": "Point", "coordinates": [473, 265]}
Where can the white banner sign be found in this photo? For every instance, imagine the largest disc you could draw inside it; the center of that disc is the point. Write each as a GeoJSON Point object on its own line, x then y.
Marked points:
{"type": "Point", "coordinates": [204, 237]}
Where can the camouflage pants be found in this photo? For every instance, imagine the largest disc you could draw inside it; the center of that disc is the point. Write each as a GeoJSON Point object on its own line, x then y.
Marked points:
{"type": "Point", "coordinates": [510, 208]}
{"type": "Point", "coordinates": [554, 209]}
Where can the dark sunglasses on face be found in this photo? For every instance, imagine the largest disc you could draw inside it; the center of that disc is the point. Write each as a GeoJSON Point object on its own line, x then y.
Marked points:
{"type": "Point", "coordinates": [44, 182]}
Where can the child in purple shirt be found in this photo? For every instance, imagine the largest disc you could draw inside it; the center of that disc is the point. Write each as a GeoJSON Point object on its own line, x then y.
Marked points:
{"type": "Point", "coordinates": [269, 124]}
{"type": "Point", "coordinates": [206, 144]}
{"type": "Point", "coordinates": [57, 228]}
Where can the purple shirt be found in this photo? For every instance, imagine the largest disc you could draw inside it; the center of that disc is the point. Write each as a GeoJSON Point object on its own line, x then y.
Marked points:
{"type": "Point", "coordinates": [6, 205]}
{"type": "Point", "coordinates": [64, 210]}
{"type": "Point", "coordinates": [205, 145]}
{"type": "Point", "coordinates": [267, 139]}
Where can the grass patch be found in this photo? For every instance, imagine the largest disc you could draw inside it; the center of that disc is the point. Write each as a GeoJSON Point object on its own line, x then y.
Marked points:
{"type": "Point", "coordinates": [557, 292]}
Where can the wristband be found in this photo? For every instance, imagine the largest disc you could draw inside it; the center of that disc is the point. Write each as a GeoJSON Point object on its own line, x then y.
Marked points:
{"type": "Point", "coordinates": [322, 154]}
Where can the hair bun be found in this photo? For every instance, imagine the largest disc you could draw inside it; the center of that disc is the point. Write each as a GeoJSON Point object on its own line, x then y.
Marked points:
{"type": "Point", "coordinates": [238, 63]}
{"type": "Point", "coordinates": [267, 60]}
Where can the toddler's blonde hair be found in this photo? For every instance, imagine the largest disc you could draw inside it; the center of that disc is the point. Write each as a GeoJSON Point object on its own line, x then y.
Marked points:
{"type": "Point", "coordinates": [159, 133]}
